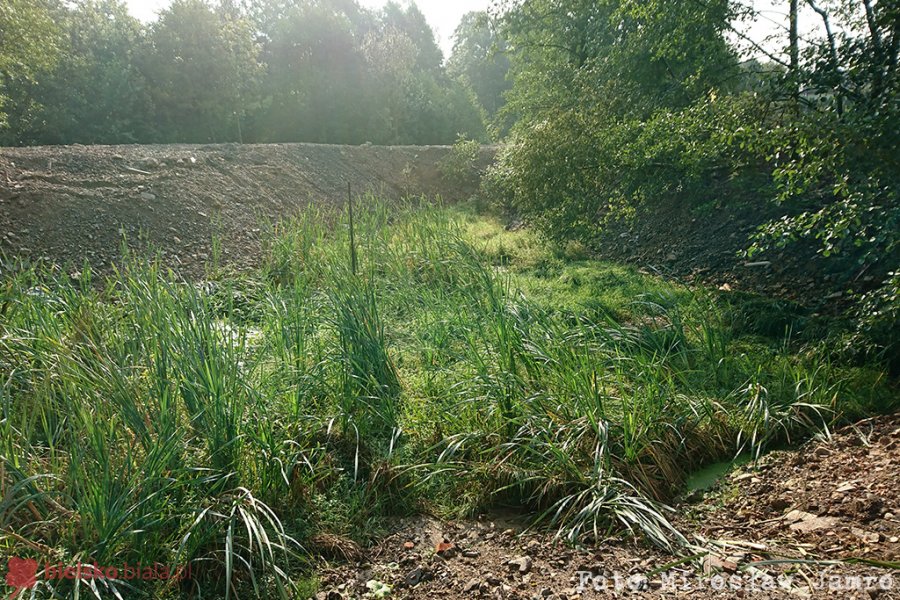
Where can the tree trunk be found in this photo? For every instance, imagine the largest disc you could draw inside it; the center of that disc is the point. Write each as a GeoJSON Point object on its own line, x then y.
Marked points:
{"type": "Point", "coordinates": [794, 45]}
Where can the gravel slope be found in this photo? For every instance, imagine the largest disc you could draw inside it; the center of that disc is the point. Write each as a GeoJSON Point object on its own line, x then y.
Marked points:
{"type": "Point", "coordinates": [68, 204]}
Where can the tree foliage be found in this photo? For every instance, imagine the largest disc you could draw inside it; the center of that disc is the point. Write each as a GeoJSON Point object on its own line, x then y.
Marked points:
{"type": "Point", "coordinates": [480, 60]}
{"type": "Point", "coordinates": [28, 44]}
{"type": "Point", "coordinates": [623, 104]}
{"type": "Point", "coordinates": [93, 92]}
{"type": "Point", "coordinates": [221, 71]}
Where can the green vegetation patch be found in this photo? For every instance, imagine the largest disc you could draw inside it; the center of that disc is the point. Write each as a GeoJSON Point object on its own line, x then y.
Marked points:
{"type": "Point", "coordinates": [237, 423]}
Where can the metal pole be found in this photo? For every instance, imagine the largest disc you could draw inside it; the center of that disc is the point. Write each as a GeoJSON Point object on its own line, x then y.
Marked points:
{"type": "Point", "coordinates": [352, 233]}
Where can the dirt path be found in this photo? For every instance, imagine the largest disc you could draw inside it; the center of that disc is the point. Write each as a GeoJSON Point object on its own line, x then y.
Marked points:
{"type": "Point", "coordinates": [835, 501]}
{"type": "Point", "coordinates": [68, 204]}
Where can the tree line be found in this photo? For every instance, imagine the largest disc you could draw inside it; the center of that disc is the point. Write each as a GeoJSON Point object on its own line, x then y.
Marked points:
{"type": "Point", "coordinates": [218, 71]}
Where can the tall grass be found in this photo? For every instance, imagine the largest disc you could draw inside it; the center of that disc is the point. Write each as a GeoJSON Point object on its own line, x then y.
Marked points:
{"type": "Point", "coordinates": [230, 424]}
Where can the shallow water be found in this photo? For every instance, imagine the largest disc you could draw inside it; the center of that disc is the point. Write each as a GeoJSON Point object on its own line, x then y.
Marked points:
{"type": "Point", "coordinates": [708, 476]}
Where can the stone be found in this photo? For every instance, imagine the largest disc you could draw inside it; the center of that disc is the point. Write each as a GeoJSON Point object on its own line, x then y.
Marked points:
{"type": "Point", "coordinates": [445, 549]}
{"type": "Point", "coordinates": [417, 576]}
{"type": "Point", "coordinates": [713, 563]}
{"type": "Point", "coordinates": [522, 563]}
{"type": "Point", "coordinates": [804, 522]}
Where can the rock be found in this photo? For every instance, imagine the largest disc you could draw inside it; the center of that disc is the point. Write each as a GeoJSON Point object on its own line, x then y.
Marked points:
{"type": "Point", "coordinates": [522, 563]}
{"type": "Point", "coordinates": [868, 537]}
{"type": "Point", "coordinates": [779, 504]}
{"type": "Point", "coordinates": [804, 522]}
{"type": "Point", "coordinates": [409, 545]}
{"type": "Point", "coordinates": [471, 585]}
{"type": "Point", "coordinates": [868, 508]}
{"type": "Point", "coordinates": [148, 196]}
{"type": "Point", "coordinates": [445, 549]}
{"type": "Point", "coordinates": [713, 563]}
{"type": "Point", "coordinates": [417, 576]}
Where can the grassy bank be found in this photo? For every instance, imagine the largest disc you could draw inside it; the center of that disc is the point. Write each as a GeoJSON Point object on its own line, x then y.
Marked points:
{"type": "Point", "coordinates": [242, 424]}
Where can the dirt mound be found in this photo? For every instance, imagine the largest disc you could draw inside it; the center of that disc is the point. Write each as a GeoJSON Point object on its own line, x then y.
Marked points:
{"type": "Point", "coordinates": [68, 204]}
{"type": "Point", "coordinates": [818, 523]}
{"type": "Point", "coordinates": [706, 245]}
{"type": "Point", "coordinates": [836, 500]}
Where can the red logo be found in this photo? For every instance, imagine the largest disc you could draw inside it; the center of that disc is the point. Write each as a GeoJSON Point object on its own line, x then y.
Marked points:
{"type": "Point", "coordinates": [22, 574]}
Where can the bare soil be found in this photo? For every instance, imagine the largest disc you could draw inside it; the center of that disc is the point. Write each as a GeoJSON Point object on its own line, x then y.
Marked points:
{"type": "Point", "coordinates": [68, 204]}
{"type": "Point", "coordinates": [706, 245]}
{"type": "Point", "coordinates": [794, 525]}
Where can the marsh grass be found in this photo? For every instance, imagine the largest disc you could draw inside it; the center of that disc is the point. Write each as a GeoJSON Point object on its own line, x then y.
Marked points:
{"type": "Point", "coordinates": [227, 423]}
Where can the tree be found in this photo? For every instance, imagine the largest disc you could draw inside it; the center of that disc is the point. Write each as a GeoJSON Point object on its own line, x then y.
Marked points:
{"type": "Point", "coordinates": [315, 73]}
{"type": "Point", "coordinates": [202, 65]}
{"type": "Point", "coordinates": [29, 42]}
{"type": "Point", "coordinates": [286, 70]}
{"type": "Point", "coordinates": [412, 23]}
{"type": "Point", "coordinates": [480, 61]}
{"type": "Point", "coordinates": [95, 94]}
{"type": "Point", "coordinates": [594, 82]}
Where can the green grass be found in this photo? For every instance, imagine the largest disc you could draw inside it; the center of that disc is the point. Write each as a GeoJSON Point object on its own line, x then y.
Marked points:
{"type": "Point", "coordinates": [229, 423]}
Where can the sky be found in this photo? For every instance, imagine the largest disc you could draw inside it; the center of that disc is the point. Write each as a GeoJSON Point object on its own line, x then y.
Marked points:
{"type": "Point", "coordinates": [445, 15]}
{"type": "Point", "coordinates": [442, 15]}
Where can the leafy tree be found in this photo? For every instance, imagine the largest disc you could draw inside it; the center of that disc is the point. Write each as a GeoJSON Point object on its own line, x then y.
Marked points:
{"type": "Point", "coordinates": [590, 80]}
{"type": "Point", "coordinates": [338, 73]}
{"type": "Point", "coordinates": [480, 60]}
{"type": "Point", "coordinates": [94, 93]}
{"type": "Point", "coordinates": [284, 70]}
{"type": "Point", "coordinates": [416, 106]}
{"type": "Point", "coordinates": [411, 22]}
{"type": "Point", "coordinates": [202, 65]}
{"type": "Point", "coordinates": [29, 43]}
{"type": "Point", "coordinates": [314, 74]}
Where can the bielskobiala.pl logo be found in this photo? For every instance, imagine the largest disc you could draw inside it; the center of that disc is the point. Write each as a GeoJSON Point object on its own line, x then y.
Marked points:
{"type": "Point", "coordinates": [25, 573]}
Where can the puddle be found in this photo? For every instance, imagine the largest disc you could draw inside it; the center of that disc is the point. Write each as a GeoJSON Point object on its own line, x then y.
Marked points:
{"type": "Point", "coordinates": [707, 477]}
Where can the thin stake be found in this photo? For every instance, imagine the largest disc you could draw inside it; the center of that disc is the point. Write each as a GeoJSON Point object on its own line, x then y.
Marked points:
{"type": "Point", "coordinates": [352, 235]}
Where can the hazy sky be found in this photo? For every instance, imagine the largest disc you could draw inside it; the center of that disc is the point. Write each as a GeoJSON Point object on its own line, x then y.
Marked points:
{"type": "Point", "coordinates": [445, 15]}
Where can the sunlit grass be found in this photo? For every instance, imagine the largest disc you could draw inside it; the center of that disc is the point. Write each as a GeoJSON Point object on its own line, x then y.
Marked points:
{"type": "Point", "coordinates": [227, 423]}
